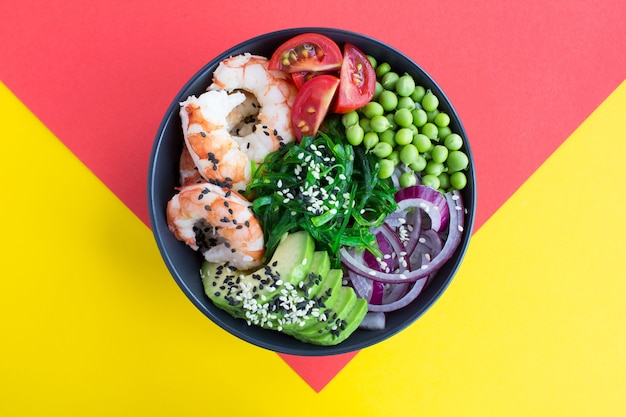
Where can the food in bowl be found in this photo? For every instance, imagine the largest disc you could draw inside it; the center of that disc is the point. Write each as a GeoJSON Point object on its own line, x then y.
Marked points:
{"type": "Point", "coordinates": [327, 204]}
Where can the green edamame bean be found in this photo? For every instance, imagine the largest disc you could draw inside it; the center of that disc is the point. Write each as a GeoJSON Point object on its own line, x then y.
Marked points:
{"type": "Point", "coordinates": [422, 143]}
{"type": "Point", "coordinates": [388, 136]}
{"type": "Point", "coordinates": [405, 85]}
{"type": "Point", "coordinates": [429, 102]}
{"type": "Point", "coordinates": [444, 180]}
{"type": "Point", "coordinates": [443, 131]}
{"type": "Point", "coordinates": [379, 89]}
{"type": "Point", "coordinates": [372, 61]}
{"type": "Point", "coordinates": [372, 109]}
{"type": "Point", "coordinates": [439, 154]}
{"type": "Point", "coordinates": [453, 142]}
{"type": "Point", "coordinates": [382, 69]}
{"type": "Point", "coordinates": [419, 164]}
{"type": "Point", "coordinates": [409, 154]}
{"type": "Point", "coordinates": [406, 103]}
{"type": "Point", "coordinates": [350, 118]}
{"type": "Point", "coordinates": [442, 119]}
{"type": "Point", "coordinates": [403, 117]}
{"type": "Point", "coordinates": [364, 122]}
{"type": "Point", "coordinates": [431, 115]}
{"type": "Point", "coordinates": [389, 80]}
{"type": "Point", "coordinates": [388, 99]}
{"type": "Point", "coordinates": [431, 181]}
{"type": "Point", "coordinates": [354, 134]}
{"type": "Point", "coordinates": [403, 136]}
{"type": "Point", "coordinates": [382, 149]}
{"type": "Point", "coordinates": [457, 161]}
{"type": "Point", "coordinates": [458, 180]}
{"type": "Point", "coordinates": [394, 157]}
{"type": "Point", "coordinates": [386, 168]}
{"type": "Point", "coordinates": [379, 123]}
{"type": "Point", "coordinates": [419, 117]}
{"type": "Point", "coordinates": [418, 93]}
{"type": "Point", "coordinates": [370, 140]}
{"type": "Point", "coordinates": [430, 130]}
{"type": "Point", "coordinates": [433, 168]}
{"type": "Point", "coordinates": [407, 179]}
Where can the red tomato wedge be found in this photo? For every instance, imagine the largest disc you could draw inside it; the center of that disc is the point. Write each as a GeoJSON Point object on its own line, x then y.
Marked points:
{"type": "Point", "coordinates": [299, 78]}
{"type": "Point", "coordinates": [358, 80]}
{"type": "Point", "coordinates": [306, 52]}
{"type": "Point", "coordinates": [311, 105]}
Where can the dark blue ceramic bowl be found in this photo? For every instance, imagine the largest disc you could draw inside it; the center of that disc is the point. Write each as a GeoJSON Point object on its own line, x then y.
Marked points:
{"type": "Point", "coordinates": [184, 264]}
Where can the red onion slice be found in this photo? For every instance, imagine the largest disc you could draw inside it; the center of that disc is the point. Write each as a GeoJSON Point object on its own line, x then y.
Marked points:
{"type": "Point", "coordinates": [455, 208]}
{"type": "Point", "coordinates": [416, 289]}
{"type": "Point", "coordinates": [431, 201]}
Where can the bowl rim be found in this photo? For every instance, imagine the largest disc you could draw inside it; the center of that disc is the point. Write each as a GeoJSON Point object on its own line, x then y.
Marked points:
{"type": "Point", "coordinates": [201, 304]}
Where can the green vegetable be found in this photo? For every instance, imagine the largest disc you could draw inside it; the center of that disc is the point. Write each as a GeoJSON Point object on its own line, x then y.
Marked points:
{"type": "Point", "coordinates": [430, 101]}
{"type": "Point", "coordinates": [405, 85]}
{"type": "Point", "coordinates": [324, 186]}
{"type": "Point", "coordinates": [403, 113]}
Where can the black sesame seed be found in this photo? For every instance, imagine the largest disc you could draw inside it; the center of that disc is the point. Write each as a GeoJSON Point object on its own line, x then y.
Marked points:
{"type": "Point", "coordinates": [203, 134]}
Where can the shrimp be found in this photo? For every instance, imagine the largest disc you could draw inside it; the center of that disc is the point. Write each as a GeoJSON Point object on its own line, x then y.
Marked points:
{"type": "Point", "coordinates": [189, 173]}
{"type": "Point", "coordinates": [219, 222]}
{"type": "Point", "coordinates": [217, 156]}
{"type": "Point", "coordinates": [274, 93]}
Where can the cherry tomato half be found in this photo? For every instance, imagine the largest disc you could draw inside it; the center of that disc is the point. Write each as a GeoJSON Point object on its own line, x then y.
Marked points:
{"type": "Point", "coordinates": [306, 52]}
{"type": "Point", "coordinates": [299, 78]}
{"type": "Point", "coordinates": [311, 105]}
{"type": "Point", "coordinates": [358, 80]}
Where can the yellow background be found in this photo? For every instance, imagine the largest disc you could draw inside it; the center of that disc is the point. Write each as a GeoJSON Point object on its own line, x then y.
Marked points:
{"type": "Point", "coordinates": [532, 325]}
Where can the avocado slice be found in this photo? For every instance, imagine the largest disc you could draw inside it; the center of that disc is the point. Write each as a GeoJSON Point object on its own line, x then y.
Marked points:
{"type": "Point", "coordinates": [221, 283]}
{"type": "Point", "coordinates": [350, 321]}
{"type": "Point", "coordinates": [320, 267]}
{"type": "Point", "coordinates": [297, 292]}
{"type": "Point", "coordinates": [325, 291]}
{"type": "Point", "coordinates": [325, 331]}
{"type": "Point", "coordinates": [227, 287]}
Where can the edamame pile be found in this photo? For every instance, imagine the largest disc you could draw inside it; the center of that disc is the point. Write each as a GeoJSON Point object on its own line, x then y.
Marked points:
{"type": "Point", "coordinates": [403, 126]}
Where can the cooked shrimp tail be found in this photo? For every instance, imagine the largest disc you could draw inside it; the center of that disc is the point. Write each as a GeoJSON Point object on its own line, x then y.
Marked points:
{"type": "Point", "coordinates": [219, 222]}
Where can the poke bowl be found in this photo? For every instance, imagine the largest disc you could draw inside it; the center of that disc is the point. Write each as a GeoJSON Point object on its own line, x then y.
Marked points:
{"type": "Point", "coordinates": [428, 222]}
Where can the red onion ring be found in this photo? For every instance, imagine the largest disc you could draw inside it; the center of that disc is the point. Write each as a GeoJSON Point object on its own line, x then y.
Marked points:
{"type": "Point", "coordinates": [456, 223]}
{"type": "Point", "coordinates": [431, 201]}
{"type": "Point", "coordinates": [416, 289]}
